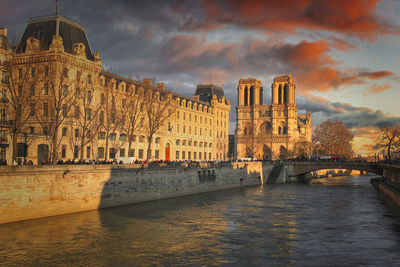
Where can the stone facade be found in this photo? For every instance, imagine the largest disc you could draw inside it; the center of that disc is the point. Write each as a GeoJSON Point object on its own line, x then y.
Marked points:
{"type": "Point", "coordinates": [269, 131]}
{"type": "Point", "coordinates": [54, 67]}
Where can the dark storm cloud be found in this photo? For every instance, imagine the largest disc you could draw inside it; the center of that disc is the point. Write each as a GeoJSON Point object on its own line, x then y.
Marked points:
{"type": "Point", "coordinates": [352, 117]}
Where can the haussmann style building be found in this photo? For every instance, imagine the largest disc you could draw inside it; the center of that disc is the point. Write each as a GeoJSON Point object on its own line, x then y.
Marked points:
{"type": "Point", "coordinates": [55, 93]}
{"type": "Point", "coordinates": [269, 131]}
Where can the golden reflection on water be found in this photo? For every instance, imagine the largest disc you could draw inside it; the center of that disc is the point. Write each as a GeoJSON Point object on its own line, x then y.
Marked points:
{"type": "Point", "coordinates": [252, 226]}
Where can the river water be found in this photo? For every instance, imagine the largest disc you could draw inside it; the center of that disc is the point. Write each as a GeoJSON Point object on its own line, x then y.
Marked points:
{"type": "Point", "coordinates": [331, 222]}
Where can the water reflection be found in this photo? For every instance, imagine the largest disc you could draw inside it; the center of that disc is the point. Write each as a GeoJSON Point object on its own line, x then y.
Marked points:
{"type": "Point", "coordinates": [339, 221]}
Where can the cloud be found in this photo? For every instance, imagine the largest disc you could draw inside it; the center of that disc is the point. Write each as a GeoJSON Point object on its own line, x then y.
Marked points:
{"type": "Point", "coordinates": [375, 89]}
{"type": "Point", "coordinates": [353, 18]}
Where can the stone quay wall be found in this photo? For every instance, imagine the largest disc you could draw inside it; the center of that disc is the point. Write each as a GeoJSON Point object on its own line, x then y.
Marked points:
{"type": "Point", "coordinates": [389, 184]}
{"type": "Point", "coordinates": [28, 192]}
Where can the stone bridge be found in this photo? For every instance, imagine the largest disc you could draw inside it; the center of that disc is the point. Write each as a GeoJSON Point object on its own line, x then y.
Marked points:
{"type": "Point", "coordinates": [297, 170]}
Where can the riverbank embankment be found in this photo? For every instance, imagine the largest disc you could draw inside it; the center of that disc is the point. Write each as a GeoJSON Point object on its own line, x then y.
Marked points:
{"type": "Point", "coordinates": [28, 192]}
{"type": "Point", "coordinates": [389, 184]}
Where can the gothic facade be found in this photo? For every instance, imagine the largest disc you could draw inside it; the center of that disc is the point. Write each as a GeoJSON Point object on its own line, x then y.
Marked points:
{"type": "Point", "coordinates": [71, 103]}
{"type": "Point", "coordinates": [269, 131]}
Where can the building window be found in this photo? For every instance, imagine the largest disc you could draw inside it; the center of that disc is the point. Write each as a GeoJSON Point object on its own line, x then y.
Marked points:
{"type": "Point", "coordinates": [157, 154]}
{"type": "Point", "coordinates": [189, 155]}
{"type": "Point", "coordinates": [46, 89]}
{"type": "Point", "coordinates": [3, 77]}
{"type": "Point", "coordinates": [64, 110]}
{"type": "Point", "coordinates": [78, 93]}
{"type": "Point", "coordinates": [64, 131]}
{"type": "Point", "coordinates": [177, 115]}
{"type": "Point", "coordinates": [22, 150]}
{"type": "Point", "coordinates": [101, 118]}
{"type": "Point", "coordinates": [65, 90]}
{"type": "Point", "coordinates": [76, 151]}
{"type": "Point", "coordinates": [122, 137]}
{"type": "Point", "coordinates": [89, 114]}
{"type": "Point", "coordinates": [65, 73]}
{"type": "Point", "coordinates": [113, 151]}
{"type": "Point", "coordinates": [177, 154]}
{"type": "Point", "coordinates": [102, 136]}
{"type": "Point", "coordinates": [20, 73]}
{"type": "Point", "coordinates": [183, 155]}
{"type": "Point", "coordinates": [33, 72]}
{"type": "Point", "coordinates": [88, 152]}
{"type": "Point", "coordinates": [122, 152]}
{"type": "Point", "coordinates": [63, 151]}
{"type": "Point", "coordinates": [141, 139]}
{"type": "Point", "coordinates": [113, 136]}
{"type": "Point", "coordinates": [45, 109]}
{"type": "Point", "coordinates": [194, 155]}
{"type": "Point", "coordinates": [46, 71]}
{"type": "Point", "coordinates": [209, 156]}
{"type": "Point", "coordinates": [78, 76]}
{"type": "Point", "coordinates": [200, 155]}
{"type": "Point", "coordinates": [3, 115]}
{"type": "Point", "coordinates": [32, 91]}
{"type": "Point", "coordinates": [89, 79]}
{"type": "Point", "coordinates": [77, 112]}
{"type": "Point", "coordinates": [45, 130]}
{"type": "Point", "coordinates": [132, 153]}
{"type": "Point", "coordinates": [76, 133]}
{"type": "Point", "coordinates": [140, 153]}
{"type": "Point", "coordinates": [32, 111]}
{"type": "Point", "coordinates": [123, 103]}
{"type": "Point", "coordinates": [157, 140]}
{"type": "Point", "coordinates": [90, 95]}
{"type": "Point", "coordinates": [100, 152]}
{"type": "Point", "coordinates": [32, 130]}
{"type": "Point", "coordinates": [102, 99]}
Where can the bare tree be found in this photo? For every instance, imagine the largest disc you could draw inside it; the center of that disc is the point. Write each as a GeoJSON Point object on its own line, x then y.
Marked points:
{"type": "Point", "coordinates": [158, 107]}
{"type": "Point", "coordinates": [87, 110]}
{"type": "Point", "coordinates": [333, 137]}
{"type": "Point", "coordinates": [132, 111]}
{"type": "Point", "coordinates": [302, 149]}
{"type": "Point", "coordinates": [59, 98]}
{"type": "Point", "coordinates": [20, 82]}
{"type": "Point", "coordinates": [389, 139]}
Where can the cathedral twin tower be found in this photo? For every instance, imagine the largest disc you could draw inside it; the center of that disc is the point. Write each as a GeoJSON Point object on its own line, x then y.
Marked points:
{"type": "Point", "coordinates": [269, 131]}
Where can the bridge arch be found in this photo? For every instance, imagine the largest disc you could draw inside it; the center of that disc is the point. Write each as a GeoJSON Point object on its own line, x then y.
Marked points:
{"type": "Point", "coordinates": [302, 168]}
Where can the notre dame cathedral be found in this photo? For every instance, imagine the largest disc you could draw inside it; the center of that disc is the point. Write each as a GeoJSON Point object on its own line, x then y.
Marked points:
{"type": "Point", "coordinates": [271, 131]}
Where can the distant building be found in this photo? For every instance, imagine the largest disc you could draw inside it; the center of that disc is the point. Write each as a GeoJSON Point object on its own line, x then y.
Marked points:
{"type": "Point", "coordinates": [269, 131]}
{"type": "Point", "coordinates": [231, 150]}
{"type": "Point", "coordinates": [54, 60]}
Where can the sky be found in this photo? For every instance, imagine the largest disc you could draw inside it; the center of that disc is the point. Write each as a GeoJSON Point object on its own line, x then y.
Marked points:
{"type": "Point", "coordinates": [343, 55]}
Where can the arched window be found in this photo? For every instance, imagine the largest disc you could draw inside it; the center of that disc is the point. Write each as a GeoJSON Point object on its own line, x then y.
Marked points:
{"type": "Point", "coordinates": [280, 94]}
{"type": "Point", "coordinates": [261, 95]}
{"type": "Point", "coordinates": [251, 95]}
{"type": "Point", "coordinates": [285, 94]}
{"type": "Point", "coordinates": [279, 130]}
{"type": "Point", "coordinates": [284, 130]}
{"type": "Point", "coordinates": [245, 131]}
{"type": "Point", "coordinates": [246, 95]}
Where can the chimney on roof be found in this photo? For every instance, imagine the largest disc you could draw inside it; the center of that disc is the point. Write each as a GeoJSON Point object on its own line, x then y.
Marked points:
{"type": "Point", "coordinates": [3, 31]}
{"type": "Point", "coordinates": [147, 82]}
{"type": "Point", "coordinates": [160, 86]}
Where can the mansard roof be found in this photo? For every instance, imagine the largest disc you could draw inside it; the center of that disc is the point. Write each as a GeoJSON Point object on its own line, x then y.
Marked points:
{"type": "Point", "coordinates": [118, 78]}
{"type": "Point", "coordinates": [44, 28]}
{"type": "Point", "coordinates": [206, 91]}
